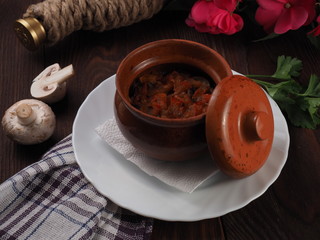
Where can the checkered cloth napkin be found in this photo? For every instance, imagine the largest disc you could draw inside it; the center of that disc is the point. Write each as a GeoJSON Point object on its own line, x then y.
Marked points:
{"type": "Point", "coordinates": [51, 199]}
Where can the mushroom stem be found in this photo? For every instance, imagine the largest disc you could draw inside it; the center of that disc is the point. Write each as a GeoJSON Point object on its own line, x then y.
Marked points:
{"type": "Point", "coordinates": [58, 77]}
{"type": "Point", "coordinates": [25, 114]}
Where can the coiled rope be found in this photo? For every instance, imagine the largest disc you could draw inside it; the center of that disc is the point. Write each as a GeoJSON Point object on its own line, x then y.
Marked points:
{"type": "Point", "coordinates": [61, 18]}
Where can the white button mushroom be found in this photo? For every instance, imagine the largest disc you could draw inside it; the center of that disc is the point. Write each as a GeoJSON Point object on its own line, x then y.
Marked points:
{"type": "Point", "coordinates": [50, 85]}
{"type": "Point", "coordinates": [29, 121]}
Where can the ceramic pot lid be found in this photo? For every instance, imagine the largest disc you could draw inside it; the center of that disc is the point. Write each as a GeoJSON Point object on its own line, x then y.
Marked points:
{"type": "Point", "coordinates": [239, 126]}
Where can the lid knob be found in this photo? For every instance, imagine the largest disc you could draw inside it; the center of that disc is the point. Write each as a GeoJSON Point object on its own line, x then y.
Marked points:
{"type": "Point", "coordinates": [257, 126]}
{"type": "Point", "coordinates": [30, 32]}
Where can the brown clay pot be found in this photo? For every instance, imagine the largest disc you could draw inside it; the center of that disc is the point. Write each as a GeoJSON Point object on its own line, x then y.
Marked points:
{"type": "Point", "coordinates": [165, 139]}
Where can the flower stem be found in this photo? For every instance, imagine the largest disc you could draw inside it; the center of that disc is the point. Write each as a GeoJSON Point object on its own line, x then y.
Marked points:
{"type": "Point", "coordinates": [259, 76]}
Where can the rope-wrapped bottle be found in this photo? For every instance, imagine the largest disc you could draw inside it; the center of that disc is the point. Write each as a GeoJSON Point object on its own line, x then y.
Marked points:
{"type": "Point", "coordinates": [50, 21]}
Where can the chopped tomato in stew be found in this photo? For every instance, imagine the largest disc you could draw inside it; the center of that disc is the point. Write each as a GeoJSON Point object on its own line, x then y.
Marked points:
{"type": "Point", "coordinates": [172, 95]}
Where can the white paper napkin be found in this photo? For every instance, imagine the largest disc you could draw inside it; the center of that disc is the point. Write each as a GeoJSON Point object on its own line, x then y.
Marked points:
{"type": "Point", "coordinates": [185, 176]}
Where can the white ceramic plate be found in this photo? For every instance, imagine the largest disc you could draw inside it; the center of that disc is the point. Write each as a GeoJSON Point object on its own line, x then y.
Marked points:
{"type": "Point", "coordinates": [129, 187]}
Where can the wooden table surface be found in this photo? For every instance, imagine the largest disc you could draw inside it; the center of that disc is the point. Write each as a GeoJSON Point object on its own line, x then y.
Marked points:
{"type": "Point", "coordinates": [289, 209]}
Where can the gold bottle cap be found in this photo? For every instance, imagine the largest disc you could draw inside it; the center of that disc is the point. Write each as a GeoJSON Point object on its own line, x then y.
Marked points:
{"type": "Point", "coordinates": [30, 32]}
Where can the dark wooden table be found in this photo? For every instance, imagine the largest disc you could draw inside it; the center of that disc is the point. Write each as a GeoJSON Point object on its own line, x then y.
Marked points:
{"type": "Point", "coordinates": [289, 209]}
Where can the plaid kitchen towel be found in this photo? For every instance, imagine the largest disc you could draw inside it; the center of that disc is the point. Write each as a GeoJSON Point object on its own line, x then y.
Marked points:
{"type": "Point", "coordinates": [51, 199]}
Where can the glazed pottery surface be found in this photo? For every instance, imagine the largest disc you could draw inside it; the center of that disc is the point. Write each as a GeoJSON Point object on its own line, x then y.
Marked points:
{"type": "Point", "coordinates": [162, 138]}
{"type": "Point", "coordinates": [239, 126]}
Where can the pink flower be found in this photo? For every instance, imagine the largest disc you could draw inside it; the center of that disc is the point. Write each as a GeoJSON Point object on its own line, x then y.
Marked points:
{"type": "Point", "coordinates": [216, 16]}
{"type": "Point", "coordinates": [316, 31]}
{"type": "Point", "coordinates": [280, 16]}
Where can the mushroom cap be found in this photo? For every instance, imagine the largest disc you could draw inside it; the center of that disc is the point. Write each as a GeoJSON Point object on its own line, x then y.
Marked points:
{"type": "Point", "coordinates": [29, 132]}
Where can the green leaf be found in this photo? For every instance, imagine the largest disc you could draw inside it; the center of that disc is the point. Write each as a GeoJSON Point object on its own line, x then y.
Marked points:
{"type": "Point", "coordinates": [315, 40]}
{"type": "Point", "coordinates": [310, 107]}
{"type": "Point", "coordinates": [314, 104]}
{"type": "Point", "coordinates": [269, 36]}
{"type": "Point", "coordinates": [265, 85]}
{"type": "Point", "coordinates": [301, 105]}
{"type": "Point", "coordinates": [313, 89]}
{"type": "Point", "coordinates": [280, 90]}
{"type": "Point", "coordinates": [298, 117]}
{"type": "Point", "coordinates": [287, 67]}
{"type": "Point", "coordinates": [286, 88]}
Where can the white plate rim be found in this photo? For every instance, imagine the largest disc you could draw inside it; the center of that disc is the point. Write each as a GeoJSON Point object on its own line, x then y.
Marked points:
{"type": "Point", "coordinates": [192, 209]}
